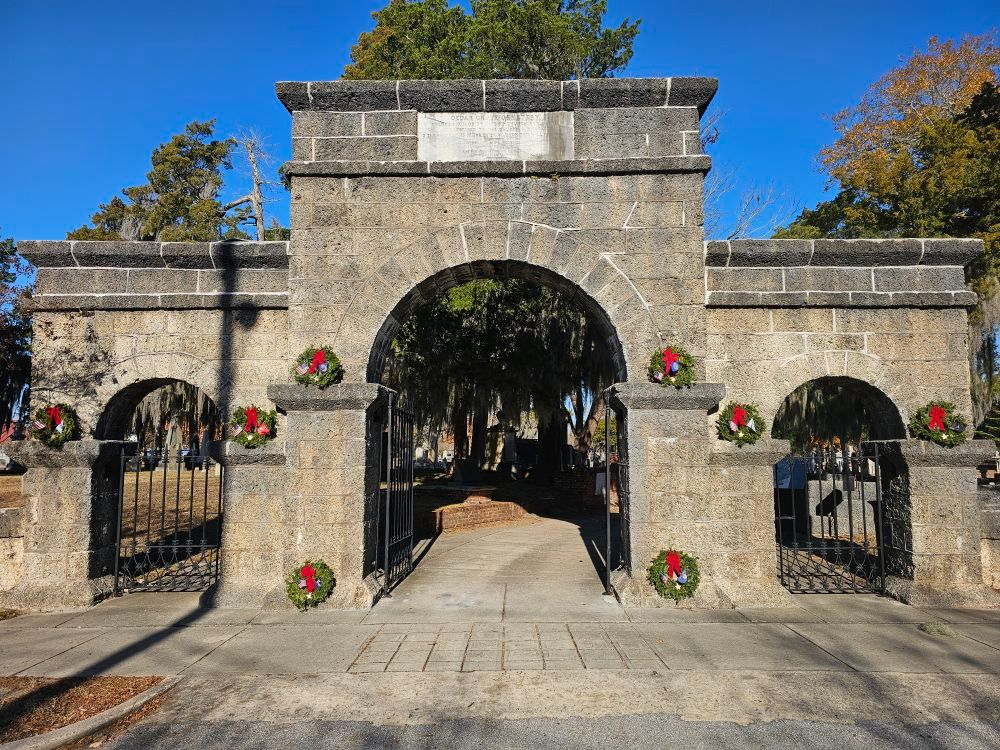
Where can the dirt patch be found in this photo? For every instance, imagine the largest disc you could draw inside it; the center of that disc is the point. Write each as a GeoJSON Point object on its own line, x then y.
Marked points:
{"type": "Point", "coordinates": [10, 491]}
{"type": "Point", "coordinates": [34, 705]}
{"type": "Point", "coordinates": [7, 614]}
{"type": "Point", "coordinates": [110, 732]}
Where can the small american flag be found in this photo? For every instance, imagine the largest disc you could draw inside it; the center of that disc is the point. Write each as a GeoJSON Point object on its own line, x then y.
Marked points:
{"type": "Point", "coordinates": [235, 430]}
{"type": "Point", "coordinates": [303, 368]}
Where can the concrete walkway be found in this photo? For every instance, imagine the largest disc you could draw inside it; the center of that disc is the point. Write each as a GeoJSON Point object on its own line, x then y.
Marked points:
{"type": "Point", "coordinates": [480, 648]}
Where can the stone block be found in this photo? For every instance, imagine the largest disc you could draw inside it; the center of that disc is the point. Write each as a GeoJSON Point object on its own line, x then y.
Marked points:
{"type": "Point", "coordinates": [293, 94]}
{"type": "Point", "coordinates": [324, 124]}
{"type": "Point", "coordinates": [666, 144]}
{"type": "Point", "coordinates": [302, 149]}
{"type": "Point", "coordinates": [690, 91]}
{"type": "Point", "coordinates": [353, 96]}
{"type": "Point", "coordinates": [828, 279]}
{"type": "Point", "coordinates": [746, 279]}
{"type": "Point", "coordinates": [600, 146]}
{"type": "Point", "coordinates": [635, 120]}
{"type": "Point", "coordinates": [866, 252]}
{"type": "Point", "coordinates": [152, 281]}
{"type": "Point", "coordinates": [388, 148]}
{"type": "Point", "coordinates": [81, 281]}
{"type": "Point", "coordinates": [596, 93]}
{"type": "Point", "coordinates": [819, 321]}
{"type": "Point", "coordinates": [245, 280]}
{"type": "Point", "coordinates": [692, 143]}
{"type": "Point", "coordinates": [950, 252]}
{"type": "Point", "coordinates": [523, 96]}
{"type": "Point", "coordinates": [441, 96]}
{"type": "Point", "coordinates": [770, 252]}
{"type": "Point", "coordinates": [187, 254]}
{"type": "Point", "coordinates": [118, 254]}
{"type": "Point", "coordinates": [663, 240]}
{"type": "Point", "coordinates": [921, 278]}
{"type": "Point", "coordinates": [389, 123]}
{"type": "Point", "coordinates": [657, 214]}
{"type": "Point", "coordinates": [46, 253]}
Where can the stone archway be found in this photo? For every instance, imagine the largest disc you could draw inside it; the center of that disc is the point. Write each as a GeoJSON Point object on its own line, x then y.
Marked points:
{"type": "Point", "coordinates": [495, 249]}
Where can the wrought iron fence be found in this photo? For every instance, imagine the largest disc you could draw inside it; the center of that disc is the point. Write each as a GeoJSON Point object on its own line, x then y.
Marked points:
{"type": "Point", "coordinates": [169, 521]}
{"type": "Point", "coordinates": [829, 520]}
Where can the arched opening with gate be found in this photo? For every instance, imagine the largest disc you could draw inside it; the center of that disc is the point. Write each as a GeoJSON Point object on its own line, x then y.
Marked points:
{"type": "Point", "coordinates": [161, 496]}
{"type": "Point", "coordinates": [841, 498]}
{"type": "Point", "coordinates": [502, 424]}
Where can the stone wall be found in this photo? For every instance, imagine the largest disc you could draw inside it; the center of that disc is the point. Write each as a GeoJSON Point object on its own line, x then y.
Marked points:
{"type": "Point", "coordinates": [593, 187]}
{"type": "Point", "coordinates": [890, 313]}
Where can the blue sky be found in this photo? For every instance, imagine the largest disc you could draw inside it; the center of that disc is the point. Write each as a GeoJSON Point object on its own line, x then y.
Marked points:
{"type": "Point", "coordinates": [91, 88]}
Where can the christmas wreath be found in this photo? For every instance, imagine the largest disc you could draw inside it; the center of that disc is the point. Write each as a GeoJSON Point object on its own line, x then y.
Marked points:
{"type": "Point", "coordinates": [674, 574]}
{"type": "Point", "coordinates": [252, 427]}
{"type": "Point", "coordinates": [740, 423]}
{"type": "Point", "coordinates": [939, 423]}
{"type": "Point", "coordinates": [671, 366]}
{"type": "Point", "coordinates": [54, 425]}
{"type": "Point", "coordinates": [318, 366]}
{"type": "Point", "coordinates": [309, 584]}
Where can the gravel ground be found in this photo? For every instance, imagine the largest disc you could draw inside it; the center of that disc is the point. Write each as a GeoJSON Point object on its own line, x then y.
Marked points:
{"type": "Point", "coordinates": [634, 732]}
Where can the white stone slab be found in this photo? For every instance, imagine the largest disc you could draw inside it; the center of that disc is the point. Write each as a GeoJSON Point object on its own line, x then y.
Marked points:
{"type": "Point", "coordinates": [484, 136]}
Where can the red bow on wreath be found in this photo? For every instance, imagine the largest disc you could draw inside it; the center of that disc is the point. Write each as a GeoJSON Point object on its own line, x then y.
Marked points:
{"type": "Point", "coordinates": [673, 564]}
{"type": "Point", "coordinates": [308, 573]}
{"type": "Point", "coordinates": [740, 416]}
{"type": "Point", "coordinates": [669, 357]}
{"type": "Point", "coordinates": [937, 415]}
{"type": "Point", "coordinates": [54, 415]}
{"type": "Point", "coordinates": [319, 358]}
{"type": "Point", "coordinates": [252, 421]}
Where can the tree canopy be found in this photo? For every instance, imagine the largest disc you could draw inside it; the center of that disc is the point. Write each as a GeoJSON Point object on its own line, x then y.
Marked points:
{"type": "Point", "coordinates": [506, 345]}
{"type": "Point", "coordinates": [549, 39]}
{"type": "Point", "coordinates": [15, 329]}
{"type": "Point", "coordinates": [919, 156]}
{"type": "Point", "coordinates": [179, 202]}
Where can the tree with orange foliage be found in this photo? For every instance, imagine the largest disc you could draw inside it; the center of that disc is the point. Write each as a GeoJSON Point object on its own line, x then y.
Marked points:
{"type": "Point", "coordinates": [919, 156]}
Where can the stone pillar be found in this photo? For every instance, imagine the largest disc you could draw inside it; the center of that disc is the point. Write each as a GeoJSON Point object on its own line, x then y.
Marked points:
{"type": "Point", "coordinates": [70, 523]}
{"type": "Point", "coordinates": [259, 526]}
{"type": "Point", "coordinates": [937, 560]}
{"type": "Point", "coordinates": [690, 492]}
{"type": "Point", "coordinates": [325, 445]}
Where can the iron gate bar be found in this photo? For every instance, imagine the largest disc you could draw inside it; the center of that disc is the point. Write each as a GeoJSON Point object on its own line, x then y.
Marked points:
{"type": "Point", "coordinates": [158, 557]}
{"type": "Point", "coordinates": [836, 561]}
{"type": "Point", "coordinates": [399, 514]}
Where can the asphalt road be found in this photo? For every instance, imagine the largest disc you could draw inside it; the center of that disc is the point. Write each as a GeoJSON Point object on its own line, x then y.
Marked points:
{"type": "Point", "coordinates": [657, 732]}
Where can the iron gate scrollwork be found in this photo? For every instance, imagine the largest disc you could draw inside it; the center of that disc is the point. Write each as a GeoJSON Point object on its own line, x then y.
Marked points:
{"type": "Point", "coordinates": [830, 521]}
{"type": "Point", "coordinates": [169, 520]}
{"type": "Point", "coordinates": [616, 470]}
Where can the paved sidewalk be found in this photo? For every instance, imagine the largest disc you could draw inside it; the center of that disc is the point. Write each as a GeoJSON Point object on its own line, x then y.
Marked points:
{"type": "Point", "coordinates": [168, 634]}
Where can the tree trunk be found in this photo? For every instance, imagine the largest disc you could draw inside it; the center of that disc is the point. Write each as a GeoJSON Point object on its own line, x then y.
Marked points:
{"type": "Point", "coordinates": [256, 196]}
{"type": "Point", "coordinates": [480, 417]}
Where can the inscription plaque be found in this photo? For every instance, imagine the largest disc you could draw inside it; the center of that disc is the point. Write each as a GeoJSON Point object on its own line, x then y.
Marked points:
{"type": "Point", "coordinates": [483, 136]}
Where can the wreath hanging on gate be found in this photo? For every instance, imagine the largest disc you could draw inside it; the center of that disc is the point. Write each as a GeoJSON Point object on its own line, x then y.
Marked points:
{"type": "Point", "coordinates": [674, 574]}
{"type": "Point", "coordinates": [671, 366]}
{"type": "Point", "coordinates": [938, 422]}
{"type": "Point", "coordinates": [251, 426]}
{"type": "Point", "coordinates": [740, 423]}
{"type": "Point", "coordinates": [319, 366]}
{"type": "Point", "coordinates": [55, 424]}
{"type": "Point", "coordinates": [309, 584]}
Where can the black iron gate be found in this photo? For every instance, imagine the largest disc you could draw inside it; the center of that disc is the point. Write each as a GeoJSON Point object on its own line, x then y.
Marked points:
{"type": "Point", "coordinates": [829, 519]}
{"type": "Point", "coordinates": [616, 487]}
{"type": "Point", "coordinates": [169, 521]}
{"type": "Point", "coordinates": [396, 506]}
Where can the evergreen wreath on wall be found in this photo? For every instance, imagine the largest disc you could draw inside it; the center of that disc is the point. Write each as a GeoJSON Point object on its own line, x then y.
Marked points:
{"type": "Point", "coordinates": [251, 426]}
{"type": "Point", "coordinates": [939, 423]}
{"type": "Point", "coordinates": [309, 584]}
{"type": "Point", "coordinates": [319, 366]}
{"type": "Point", "coordinates": [55, 424]}
{"type": "Point", "coordinates": [674, 574]}
{"type": "Point", "coordinates": [740, 423]}
{"type": "Point", "coordinates": [671, 366]}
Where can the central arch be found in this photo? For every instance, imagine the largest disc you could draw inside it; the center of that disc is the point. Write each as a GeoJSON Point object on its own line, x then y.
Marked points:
{"type": "Point", "coordinates": [534, 253]}
{"type": "Point", "coordinates": [439, 260]}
